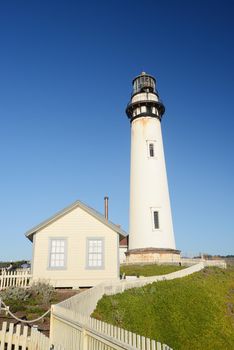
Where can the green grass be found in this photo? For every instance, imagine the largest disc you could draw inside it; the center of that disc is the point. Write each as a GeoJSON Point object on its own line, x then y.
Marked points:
{"type": "Point", "coordinates": [148, 270]}
{"type": "Point", "coordinates": [194, 312]}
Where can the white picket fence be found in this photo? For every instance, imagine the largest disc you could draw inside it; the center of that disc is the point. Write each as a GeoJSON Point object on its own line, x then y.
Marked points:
{"type": "Point", "coordinates": [16, 278]}
{"type": "Point", "coordinates": [76, 331]}
{"type": "Point", "coordinates": [85, 303]}
{"type": "Point", "coordinates": [73, 328]}
{"type": "Point", "coordinates": [23, 338]}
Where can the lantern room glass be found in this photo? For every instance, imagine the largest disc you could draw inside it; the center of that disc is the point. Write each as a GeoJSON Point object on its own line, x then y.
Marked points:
{"type": "Point", "coordinates": [144, 83]}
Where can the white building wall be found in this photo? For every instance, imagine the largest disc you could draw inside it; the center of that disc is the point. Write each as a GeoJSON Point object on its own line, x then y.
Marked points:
{"type": "Point", "coordinates": [122, 256]}
{"type": "Point", "coordinates": [148, 188]}
{"type": "Point", "coordinates": [76, 226]}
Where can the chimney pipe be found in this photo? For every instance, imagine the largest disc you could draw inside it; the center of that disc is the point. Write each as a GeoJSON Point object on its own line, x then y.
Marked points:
{"type": "Point", "coordinates": [106, 206]}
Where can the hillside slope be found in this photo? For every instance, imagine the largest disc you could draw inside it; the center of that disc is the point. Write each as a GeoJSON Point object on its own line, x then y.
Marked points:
{"type": "Point", "coordinates": [194, 312]}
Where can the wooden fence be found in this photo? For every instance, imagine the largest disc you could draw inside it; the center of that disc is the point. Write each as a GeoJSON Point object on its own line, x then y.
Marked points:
{"type": "Point", "coordinates": [86, 333]}
{"type": "Point", "coordinates": [85, 302]}
{"type": "Point", "coordinates": [74, 329]}
{"type": "Point", "coordinates": [23, 338]}
{"type": "Point", "coordinates": [16, 278]}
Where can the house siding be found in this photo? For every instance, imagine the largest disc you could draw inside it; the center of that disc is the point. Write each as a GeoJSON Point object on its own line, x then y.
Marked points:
{"type": "Point", "coordinates": [122, 256]}
{"type": "Point", "coordinates": [76, 226]}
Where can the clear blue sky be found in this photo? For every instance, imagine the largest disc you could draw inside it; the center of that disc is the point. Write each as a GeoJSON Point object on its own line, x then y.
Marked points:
{"type": "Point", "coordinates": [65, 78]}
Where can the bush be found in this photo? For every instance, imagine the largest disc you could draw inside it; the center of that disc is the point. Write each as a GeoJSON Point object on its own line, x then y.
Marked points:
{"type": "Point", "coordinates": [15, 294]}
{"type": "Point", "coordinates": [42, 290]}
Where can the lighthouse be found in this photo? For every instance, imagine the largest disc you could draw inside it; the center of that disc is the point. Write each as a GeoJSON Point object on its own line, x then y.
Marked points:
{"type": "Point", "coordinates": [151, 236]}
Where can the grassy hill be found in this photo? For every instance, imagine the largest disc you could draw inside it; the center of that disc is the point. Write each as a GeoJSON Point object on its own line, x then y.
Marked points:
{"type": "Point", "coordinates": [194, 312]}
{"type": "Point", "coordinates": [148, 270]}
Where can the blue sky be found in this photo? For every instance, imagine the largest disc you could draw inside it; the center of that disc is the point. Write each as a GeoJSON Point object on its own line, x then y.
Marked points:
{"type": "Point", "coordinates": [65, 79]}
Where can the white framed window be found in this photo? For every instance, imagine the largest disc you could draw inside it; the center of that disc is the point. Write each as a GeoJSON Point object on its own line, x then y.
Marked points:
{"type": "Point", "coordinates": [57, 253]}
{"type": "Point", "coordinates": [95, 253]}
{"type": "Point", "coordinates": [151, 148]}
{"type": "Point", "coordinates": [155, 213]}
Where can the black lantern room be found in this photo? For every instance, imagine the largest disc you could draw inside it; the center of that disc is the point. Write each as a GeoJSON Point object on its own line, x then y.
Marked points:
{"type": "Point", "coordinates": [148, 104]}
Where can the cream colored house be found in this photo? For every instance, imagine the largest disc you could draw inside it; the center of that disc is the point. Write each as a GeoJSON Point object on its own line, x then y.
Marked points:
{"type": "Point", "coordinates": [77, 247]}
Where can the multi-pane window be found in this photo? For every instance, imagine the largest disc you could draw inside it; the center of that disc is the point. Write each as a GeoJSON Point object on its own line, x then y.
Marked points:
{"type": "Point", "coordinates": [57, 253]}
{"type": "Point", "coordinates": [156, 219]}
{"type": "Point", "coordinates": [95, 252]}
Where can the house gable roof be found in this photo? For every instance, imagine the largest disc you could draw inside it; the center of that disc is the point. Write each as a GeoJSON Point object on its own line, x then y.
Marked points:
{"type": "Point", "coordinates": [78, 204]}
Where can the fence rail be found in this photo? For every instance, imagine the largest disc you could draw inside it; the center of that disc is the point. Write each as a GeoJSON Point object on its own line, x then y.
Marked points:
{"type": "Point", "coordinates": [17, 278]}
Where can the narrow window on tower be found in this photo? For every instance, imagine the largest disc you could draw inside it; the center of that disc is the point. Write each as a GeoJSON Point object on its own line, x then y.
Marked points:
{"type": "Point", "coordinates": [151, 149]}
{"type": "Point", "coordinates": [156, 219]}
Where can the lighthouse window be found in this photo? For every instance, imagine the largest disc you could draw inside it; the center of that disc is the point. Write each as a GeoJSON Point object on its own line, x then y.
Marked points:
{"type": "Point", "coordinates": [156, 220]}
{"type": "Point", "coordinates": [151, 150]}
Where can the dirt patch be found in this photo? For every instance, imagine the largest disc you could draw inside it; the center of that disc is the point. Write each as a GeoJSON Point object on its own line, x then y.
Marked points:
{"type": "Point", "coordinates": [44, 324]}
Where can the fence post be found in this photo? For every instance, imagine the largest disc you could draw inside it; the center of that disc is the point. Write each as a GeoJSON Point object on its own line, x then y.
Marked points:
{"type": "Point", "coordinates": [51, 326]}
{"type": "Point", "coordinates": [84, 339]}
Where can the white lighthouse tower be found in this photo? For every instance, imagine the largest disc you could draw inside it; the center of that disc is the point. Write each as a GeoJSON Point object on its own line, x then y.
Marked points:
{"type": "Point", "coordinates": [151, 236]}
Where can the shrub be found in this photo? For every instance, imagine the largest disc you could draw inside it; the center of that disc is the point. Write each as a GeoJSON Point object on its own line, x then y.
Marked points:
{"type": "Point", "coordinates": [15, 294]}
{"type": "Point", "coordinates": [42, 290]}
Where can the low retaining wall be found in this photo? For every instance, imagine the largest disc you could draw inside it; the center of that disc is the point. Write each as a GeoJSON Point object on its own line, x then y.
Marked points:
{"type": "Point", "coordinates": [183, 262]}
{"type": "Point", "coordinates": [217, 263]}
